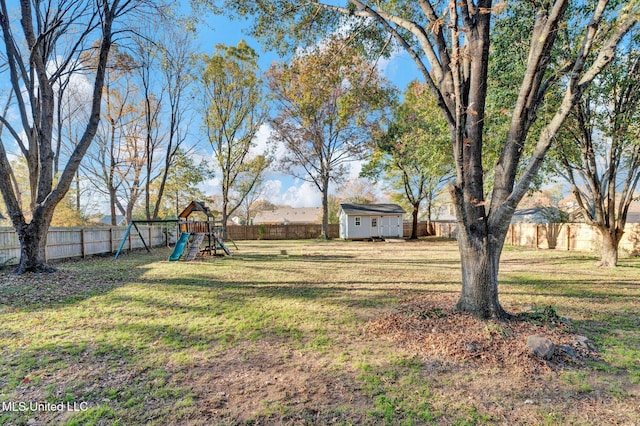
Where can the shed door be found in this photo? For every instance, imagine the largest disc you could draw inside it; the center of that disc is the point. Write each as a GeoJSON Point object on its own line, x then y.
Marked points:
{"type": "Point", "coordinates": [376, 226]}
{"type": "Point", "coordinates": [389, 226]}
{"type": "Point", "coordinates": [385, 226]}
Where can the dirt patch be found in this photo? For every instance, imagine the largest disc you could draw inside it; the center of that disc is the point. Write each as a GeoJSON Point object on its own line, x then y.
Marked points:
{"type": "Point", "coordinates": [266, 383]}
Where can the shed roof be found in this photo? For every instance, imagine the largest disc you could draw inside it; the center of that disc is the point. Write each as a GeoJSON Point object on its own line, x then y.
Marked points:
{"type": "Point", "coordinates": [289, 215]}
{"type": "Point", "coordinates": [120, 220]}
{"type": "Point", "coordinates": [371, 209]}
{"type": "Point", "coordinates": [195, 206]}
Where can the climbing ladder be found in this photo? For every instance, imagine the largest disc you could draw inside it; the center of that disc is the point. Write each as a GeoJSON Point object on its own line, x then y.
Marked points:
{"type": "Point", "coordinates": [194, 247]}
{"type": "Point", "coordinates": [221, 244]}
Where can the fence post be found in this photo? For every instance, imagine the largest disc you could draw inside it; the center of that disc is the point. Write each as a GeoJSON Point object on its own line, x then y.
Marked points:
{"type": "Point", "coordinates": [568, 238]}
{"type": "Point", "coordinates": [537, 237]}
{"type": "Point", "coordinates": [82, 243]}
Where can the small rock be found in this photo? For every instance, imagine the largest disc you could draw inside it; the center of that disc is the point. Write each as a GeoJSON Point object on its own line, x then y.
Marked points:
{"type": "Point", "coordinates": [529, 401]}
{"type": "Point", "coordinates": [541, 346]}
{"type": "Point", "coordinates": [568, 350]}
{"type": "Point", "coordinates": [586, 343]}
{"type": "Point", "coordinates": [470, 347]}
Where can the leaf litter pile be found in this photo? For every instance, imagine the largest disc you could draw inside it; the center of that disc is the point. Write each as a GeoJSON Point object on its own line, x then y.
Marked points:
{"type": "Point", "coordinates": [431, 327]}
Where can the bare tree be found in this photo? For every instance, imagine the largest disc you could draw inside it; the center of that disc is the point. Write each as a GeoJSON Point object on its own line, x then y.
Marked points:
{"type": "Point", "coordinates": [47, 44]}
{"type": "Point", "coordinates": [112, 158]}
{"type": "Point", "coordinates": [176, 51]}
{"type": "Point", "coordinates": [147, 56]}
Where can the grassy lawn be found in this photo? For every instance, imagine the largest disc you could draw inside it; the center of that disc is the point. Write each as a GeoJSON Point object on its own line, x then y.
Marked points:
{"type": "Point", "coordinates": [280, 333]}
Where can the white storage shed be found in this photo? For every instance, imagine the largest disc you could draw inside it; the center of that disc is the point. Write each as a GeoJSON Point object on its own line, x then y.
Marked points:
{"type": "Point", "coordinates": [364, 221]}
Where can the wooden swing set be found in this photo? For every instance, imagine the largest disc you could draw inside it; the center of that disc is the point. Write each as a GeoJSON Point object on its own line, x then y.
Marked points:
{"type": "Point", "coordinates": [192, 234]}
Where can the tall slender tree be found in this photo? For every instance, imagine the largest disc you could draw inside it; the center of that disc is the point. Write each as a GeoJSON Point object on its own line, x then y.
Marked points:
{"type": "Point", "coordinates": [176, 51]}
{"type": "Point", "coordinates": [234, 111]}
{"type": "Point", "coordinates": [329, 103]}
{"type": "Point", "coordinates": [112, 157]}
{"type": "Point", "coordinates": [413, 155]}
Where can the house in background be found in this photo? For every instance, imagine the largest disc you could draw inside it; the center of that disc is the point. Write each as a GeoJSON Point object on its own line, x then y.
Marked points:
{"type": "Point", "coordinates": [364, 221]}
{"type": "Point", "coordinates": [288, 216]}
{"type": "Point", "coordinates": [633, 215]}
{"type": "Point", "coordinates": [106, 220]}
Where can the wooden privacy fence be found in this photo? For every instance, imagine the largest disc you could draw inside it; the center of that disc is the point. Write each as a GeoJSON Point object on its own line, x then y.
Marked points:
{"type": "Point", "coordinates": [80, 242]}
{"type": "Point", "coordinates": [571, 236]}
{"type": "Point", "coordinates": [559, 236]}
{"type": "Point", "coordinates": [304, 231]}
{"type": "Point", "coordinates": [280, 232]}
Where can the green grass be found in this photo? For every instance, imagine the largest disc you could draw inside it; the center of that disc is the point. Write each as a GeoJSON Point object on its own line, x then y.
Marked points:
{"type": "Point", "coordinates": [263, 337]}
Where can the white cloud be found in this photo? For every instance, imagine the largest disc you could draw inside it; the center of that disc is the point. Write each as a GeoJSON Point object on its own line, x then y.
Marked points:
{"type": "Point", "coordinates": [212, 186]}
{"type": "Point", "coordinates": [300, 194]}
{"type": "Point", "coordinates": [261, 140]}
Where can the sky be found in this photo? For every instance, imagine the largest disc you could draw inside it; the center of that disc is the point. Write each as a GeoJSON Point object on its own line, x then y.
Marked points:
{"type": "Point", "coordinates": [281, 189]}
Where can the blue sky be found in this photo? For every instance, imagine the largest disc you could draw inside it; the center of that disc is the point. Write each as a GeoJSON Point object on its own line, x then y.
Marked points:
{"type": "Point", "coordinates": [280, 188]}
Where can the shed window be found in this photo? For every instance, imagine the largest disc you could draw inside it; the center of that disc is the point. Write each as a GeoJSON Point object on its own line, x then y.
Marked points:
{"type": "Point", "coordinates": [357, 221]}
{"type": "Point", "coordinates": [374, 222]}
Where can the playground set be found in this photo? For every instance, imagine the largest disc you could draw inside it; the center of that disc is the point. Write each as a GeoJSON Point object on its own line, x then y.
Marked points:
{"type": "Point", "coordinates": [192, 233]}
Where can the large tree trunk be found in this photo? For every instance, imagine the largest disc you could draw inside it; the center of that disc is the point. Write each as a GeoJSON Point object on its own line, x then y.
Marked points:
{"type": "Point", "coordinates": [33, 242]}
{"type": "Point", "coordinates": [480, 257]}
{"type": "Point", "coordinates": [610, 241]}
{"type": "Point", "coordinates": [414, 222]}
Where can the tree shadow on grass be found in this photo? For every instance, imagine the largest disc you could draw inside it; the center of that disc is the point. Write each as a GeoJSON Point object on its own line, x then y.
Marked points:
{"type": "Point", "coordinates": [73, 282]}
{"type": "Point", "coordinates": [348, 294]}
{"type": "Point", "coordinates": [571, 290]}
{"type": "Point", "coordinates": [339, 259]}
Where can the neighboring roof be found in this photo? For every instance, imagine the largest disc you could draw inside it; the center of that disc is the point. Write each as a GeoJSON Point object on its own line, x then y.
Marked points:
{"type": "Point", "coordinates": [195, 206]}
{"type": "Point", "coordinates": [633, 216]}
{"type": "Point", "coordinates": [371, 209]}
{"type": "Point", "coordinates": [288, 215]}
{"type": "Point", "coordinates": [106, 220]}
